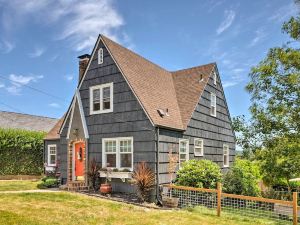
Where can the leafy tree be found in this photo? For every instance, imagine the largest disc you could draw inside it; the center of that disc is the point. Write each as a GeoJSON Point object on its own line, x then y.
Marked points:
{"type": "Point", "coordinates": [275, 94]}
{"type": "Point", "coordinates": [243, 178]}
{"type": "Point", "coordinates": [199, 173]}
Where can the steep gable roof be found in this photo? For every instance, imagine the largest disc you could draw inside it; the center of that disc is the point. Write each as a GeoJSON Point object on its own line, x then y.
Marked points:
{"type": "Point", "coordinates": [189, 85]}
{"type": "Point", "coordinates": [53, 134]}
{"type": "Point", "coordinates": [158, 88]}
{"type": "Point", "coordinates": [26, 122]}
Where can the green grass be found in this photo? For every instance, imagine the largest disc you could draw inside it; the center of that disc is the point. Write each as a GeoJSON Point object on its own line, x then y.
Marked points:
{"type": "Point", "coordinates": [70, 208]}
{"type": "Point", "coordinates": [18, 185]}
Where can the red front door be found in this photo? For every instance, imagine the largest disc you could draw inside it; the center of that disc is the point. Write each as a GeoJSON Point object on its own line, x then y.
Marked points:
{"type": "Point", "coordinates": [79, 160]}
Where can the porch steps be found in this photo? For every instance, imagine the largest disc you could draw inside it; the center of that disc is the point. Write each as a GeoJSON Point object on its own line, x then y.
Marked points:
{"type": "Point", "coordinates": [77, 186]}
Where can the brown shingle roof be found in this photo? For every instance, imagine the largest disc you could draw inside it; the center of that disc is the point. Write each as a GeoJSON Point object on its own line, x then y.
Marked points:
{"type": "Point", "coordinates": [53, 134]}
{"type": "Point", "coordinates": [157, 88]}
{"type": "Point", "coordinates": [26, 122]}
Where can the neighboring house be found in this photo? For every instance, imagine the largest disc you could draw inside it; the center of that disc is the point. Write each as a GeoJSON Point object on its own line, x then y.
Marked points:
{"type": "Point", "coordinates": [22, 121]}
{"type": "Point", "coordinates": [127, 110]}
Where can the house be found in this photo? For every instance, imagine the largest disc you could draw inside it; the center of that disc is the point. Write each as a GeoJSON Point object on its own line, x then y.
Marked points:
{"type": "Point", "coordinates": [127, 109]}
{"type": "Point", "coordinates": [13, 120]}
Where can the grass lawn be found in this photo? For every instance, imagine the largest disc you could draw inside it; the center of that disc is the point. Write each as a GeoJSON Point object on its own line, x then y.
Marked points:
{"type": "Point", "coordinates": [70, 208]}
{"type": "Point", "coordinates": [18, 185]}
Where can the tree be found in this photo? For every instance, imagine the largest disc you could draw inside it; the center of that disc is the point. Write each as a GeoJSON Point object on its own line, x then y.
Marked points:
{"type": "Point", "coordinates": [275, 94]}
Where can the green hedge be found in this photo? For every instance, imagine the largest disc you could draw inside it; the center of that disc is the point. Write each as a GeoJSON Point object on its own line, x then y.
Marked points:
{"type": "Point", "coordinates": [21, 152]}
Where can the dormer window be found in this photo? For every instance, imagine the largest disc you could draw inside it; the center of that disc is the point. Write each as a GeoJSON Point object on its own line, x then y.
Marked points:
{"type": "Point", "coordinates": [101, 98]}
{"type": "Point", "coordinates": [100, 56]}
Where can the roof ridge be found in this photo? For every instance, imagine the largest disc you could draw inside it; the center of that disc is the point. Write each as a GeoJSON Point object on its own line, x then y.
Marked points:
{"type": "Point", "coordinates": [26, 114]}
{"type": "Point", "coordinates": [194, 67]}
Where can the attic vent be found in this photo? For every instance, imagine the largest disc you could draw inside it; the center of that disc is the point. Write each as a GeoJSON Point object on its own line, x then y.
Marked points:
{"type": "Point", "coordinates": [161, 112]}
{"type": "Point", "coordinates": [200, 78]}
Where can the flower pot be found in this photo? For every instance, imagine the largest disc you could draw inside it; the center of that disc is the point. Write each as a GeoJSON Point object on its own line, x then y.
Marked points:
{"type": "Point", "coordinates": [105, 188]}
{"type": "Point", "coordinates": [170, 202]}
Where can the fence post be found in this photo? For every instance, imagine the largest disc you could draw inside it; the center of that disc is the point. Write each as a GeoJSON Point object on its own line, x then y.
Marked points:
{"type": "Point", "coordinates": [295, 208]}
{"type": "Point", "coordinates": [219, 195]}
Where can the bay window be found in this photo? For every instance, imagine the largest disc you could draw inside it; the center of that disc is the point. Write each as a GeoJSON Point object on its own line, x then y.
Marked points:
{"type": "Point", "coordinates": [118, 153]}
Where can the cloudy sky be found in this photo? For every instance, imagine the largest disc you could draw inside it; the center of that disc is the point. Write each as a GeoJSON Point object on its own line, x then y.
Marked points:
{"type": "Point", "coordinates": [41, 39]}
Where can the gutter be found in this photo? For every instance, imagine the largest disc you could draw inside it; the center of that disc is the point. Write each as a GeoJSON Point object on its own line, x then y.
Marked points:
{"type": "Point", "coordinates": [158, 199]}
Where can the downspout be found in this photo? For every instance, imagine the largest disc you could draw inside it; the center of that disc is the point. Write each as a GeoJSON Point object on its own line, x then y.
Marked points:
{"type": "Point", "coordinates": [157, 165]}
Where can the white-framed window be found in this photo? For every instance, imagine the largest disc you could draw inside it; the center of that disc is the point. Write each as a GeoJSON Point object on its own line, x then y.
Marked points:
{"type": "Point", "coordinates": [215, 77]}
{"type": "Point", "coordinates": [117, 152]}
{"type": "Point", "coordinates": [100, 56]}
{"type": "Point", "coordinates": [225, 155]}
{"type": "Point", "coordinates": [101, 98]}
{"type": "Point", "coordinates": [198, 147]}
{"type": "Point", "coordinates": [213, 104]}
{"type": "Point", "coordinates": [51, 155]}
{"type": "Point", "coordinates": [183, 151]}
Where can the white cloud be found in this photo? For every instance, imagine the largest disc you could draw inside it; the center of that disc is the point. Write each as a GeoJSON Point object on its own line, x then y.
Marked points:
{"type": "Point", "coordinates": [227, 22]}
{"type": "Point", "coordinates": [284, 12]}
{"type": "Point", "coordinates": [69, 77]}
{"type": "Point", "coordinates": [2, 85]}
{"type": "Point", "coordinates": [6, 46]}
{"type": "Point", "coordinates": [260, 35]}
{"type": "Point", "coordinates": [227, 84]}
{"type": "Point", "coordinates": [18, 81]}
{"type": "Point", "coordinates": [80, 21]}
{"type": "Point", "coordinates": [37, 52]}
{"type": "Point", "coordinates": [54, 105]}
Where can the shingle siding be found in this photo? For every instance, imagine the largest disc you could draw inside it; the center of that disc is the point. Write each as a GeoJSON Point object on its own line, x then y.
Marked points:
{"type": "Point", "coordinates": [215, 131]}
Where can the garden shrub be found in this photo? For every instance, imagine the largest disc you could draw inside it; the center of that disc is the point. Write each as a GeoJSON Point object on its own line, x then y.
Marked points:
{"type": "Point", "coordinates": [243, 178]}
{"type": "Point", "coordinates": [48, 182]}
{"type": "Point", "coordinates": [21, 152]}
{"type": "Point", "coordinates": [199, 173]}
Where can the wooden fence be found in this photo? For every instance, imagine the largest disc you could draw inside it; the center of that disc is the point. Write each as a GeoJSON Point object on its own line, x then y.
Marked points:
{"type": "Point", "coordinates": [274, 209]}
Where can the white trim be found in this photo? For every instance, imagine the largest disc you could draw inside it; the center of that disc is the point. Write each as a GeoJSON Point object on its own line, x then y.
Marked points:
{"type": "Point", "coordinates": [118, 154]}
{"type": "Point", "coordinates": [226, 147]}
{"type": "Point", "coordinates": [187, 150]}
{"type": "Point", "coordinates": [101, 87]}
{"type": "Point", "coordinates": [48, 160]}
{"type": "Point", "coordinates": [66, 116]}
{"type": "Point", "coordinates": [202, 147]}
{"type": "Point", "coordinates": [100, 56]}
{"type": "Point", "coordinates": [213, 95]}
{"type": "Point", "coordinates": [82, 117]}
{"type": "Point", "coordinates": [85, 130]}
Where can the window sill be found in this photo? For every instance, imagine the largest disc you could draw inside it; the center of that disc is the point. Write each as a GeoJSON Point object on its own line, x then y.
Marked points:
{"type": "Point", "coordinates": [100, 112]}
{"type": "Point", "coordinates": [119, 175]}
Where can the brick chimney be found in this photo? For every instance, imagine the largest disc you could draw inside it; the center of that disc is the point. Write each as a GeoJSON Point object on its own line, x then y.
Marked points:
{"type": "Point", "coordinates": [83, 62]}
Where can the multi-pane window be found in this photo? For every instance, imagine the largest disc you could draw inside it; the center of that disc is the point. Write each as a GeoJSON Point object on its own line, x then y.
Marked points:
{"type": "Point", "coordinates": [213, 104]}
{"type": "Point", "coordinates": [117, 153]}
{"type": "Point", "coordinates": [225, 155]}
{"type": "Point", "coordinates": [183, 151]}
{"type": "Point", "coordinates": [100, 56]}
{"type": "Point", "coordinates": [111, 153]}
{"type": "Point", "coordinates": [198, 147]}
{"type": "Point", "coordinates": [101, 98]}
{"type": "Point", "coordinates": [51, 155]}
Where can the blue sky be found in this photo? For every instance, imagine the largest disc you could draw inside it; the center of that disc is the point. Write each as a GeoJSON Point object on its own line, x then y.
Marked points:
{"type": "Point", "coordinates": [41, 39]}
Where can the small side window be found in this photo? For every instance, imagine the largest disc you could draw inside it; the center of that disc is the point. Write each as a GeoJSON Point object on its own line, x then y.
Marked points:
{"type": "Point", "coordinates": [226, 155]}
{"type": "Point", "coordinates": [100, 56]}
{"type": "Point", "coordinates": [51, 155]}
{"type": "Point", "coordinates": [215, 77]}
{"type": "Point", "coordinates": [183, 151]}
{"type": "Point", "coordinates": [213, 104]}
{"type": "Point", "coordinates": [198, 147]}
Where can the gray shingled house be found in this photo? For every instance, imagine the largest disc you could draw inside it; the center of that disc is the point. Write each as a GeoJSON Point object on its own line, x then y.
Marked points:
{"type": "Point", "coordinates": [127, 109]}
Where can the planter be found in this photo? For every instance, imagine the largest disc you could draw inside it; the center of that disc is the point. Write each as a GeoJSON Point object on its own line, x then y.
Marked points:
{"type": "Point", "coordinates": [170, 202]}
{"type": "Point", "coordinates": [120, 175]}
{"type": "Point", "coordinates": [105, 188]}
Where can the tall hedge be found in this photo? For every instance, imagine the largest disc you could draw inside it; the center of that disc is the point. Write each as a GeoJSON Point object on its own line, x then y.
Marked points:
{"type": "Point", "coordinates": [21, 152]}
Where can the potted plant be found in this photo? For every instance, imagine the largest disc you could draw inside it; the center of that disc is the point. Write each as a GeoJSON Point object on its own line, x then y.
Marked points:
{"type": "Point", "coordinates": [168, 200]}
{"type": "Point", "coordinates": [106, 188]}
